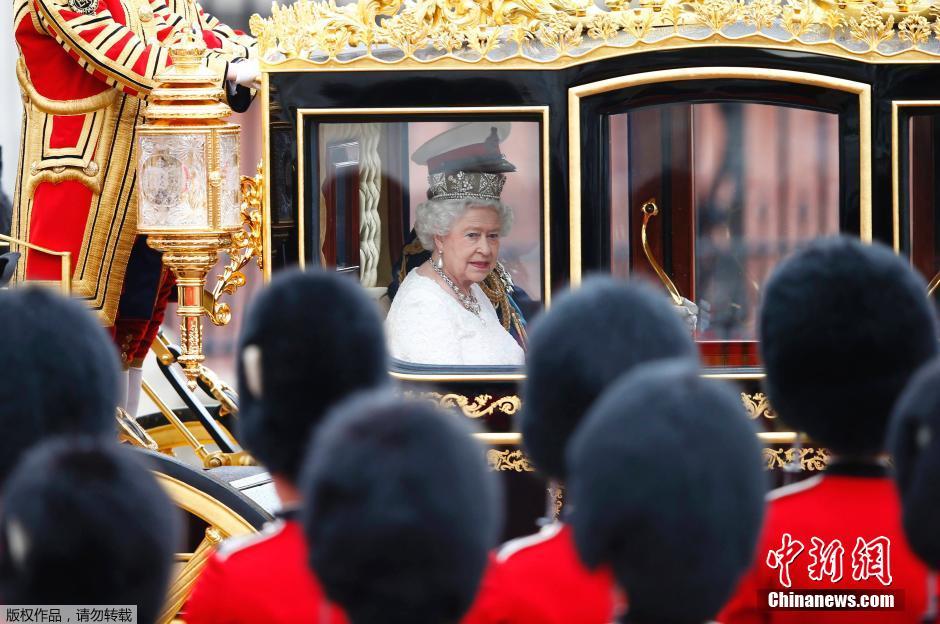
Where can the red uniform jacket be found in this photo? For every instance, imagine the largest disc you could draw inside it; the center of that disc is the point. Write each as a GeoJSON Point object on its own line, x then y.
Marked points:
{"type": "Point", "coordinates": [85, 69]}
{"type": "Point", "coordinates": [856, 505]}
{"type": "Point", "coordinates": [261, 578]}
{"type": "Point", "coordinates": [540, 580]}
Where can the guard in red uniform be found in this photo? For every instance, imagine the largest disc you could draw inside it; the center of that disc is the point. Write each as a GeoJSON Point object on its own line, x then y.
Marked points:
{"type": "Point", "coordinates": [677, 526]}
{"type": "Point", "coordinates": [590, 337]}
{"type": "Point", "coordinates": [399, 538]}
{"type": "Point", "coordinates": [309, 340]}
{"type": "Point", "coordinates": [843, 327]}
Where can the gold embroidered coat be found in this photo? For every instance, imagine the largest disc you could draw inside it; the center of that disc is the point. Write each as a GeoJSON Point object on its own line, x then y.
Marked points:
{"type": "Point", "coordinates": [85, 69]}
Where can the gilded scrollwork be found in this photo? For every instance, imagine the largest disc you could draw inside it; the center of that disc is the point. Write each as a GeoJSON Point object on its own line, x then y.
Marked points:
{"type": "Point", "coordinates": [544, 31]}
{"type": "Point", "coordinates": [811, 459]}
{"type": "Point", "coordinates": [508, 460]}
{"type": "Point", "coordinates": [246, 244]}
{"type": "Point", "coordinates": [481, 405]}
{"type": "Point", "coordinates": [758, 406]}
{"type": "Point", "coordinates": [871, 27]}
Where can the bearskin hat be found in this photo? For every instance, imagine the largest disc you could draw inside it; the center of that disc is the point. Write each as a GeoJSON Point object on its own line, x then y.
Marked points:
{"type": "Point", "coordinates": [401, 511]}
{"type": "Point", "coordinates": [843, 326]}
{"type": "Point", "coordinates": [666, 486]}
{"type": "Point", "coordinates": [60, 372]}
{"type": "Point", "coordinates": [309, 340]}
{"type": "Point", "coordinates": [590, 337]}
{"type": "Point", "coordinates": [914, 442]}
{"type": "Point", "coordinates": [84, 522]}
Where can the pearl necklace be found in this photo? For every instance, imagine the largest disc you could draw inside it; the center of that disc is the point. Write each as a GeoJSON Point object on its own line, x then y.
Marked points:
{"type": "Point", "coordinates": [468, 300]}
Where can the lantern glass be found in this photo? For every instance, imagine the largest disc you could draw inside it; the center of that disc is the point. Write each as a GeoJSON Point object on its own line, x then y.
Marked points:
{"type": "Point", "coordinates": [230, 192]}
{"type": "Point", "coordinates": [172, 173]}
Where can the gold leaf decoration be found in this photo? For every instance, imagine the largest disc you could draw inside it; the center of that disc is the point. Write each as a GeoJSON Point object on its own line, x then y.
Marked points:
{"type": "Point", "coordinates": [508, 460]}
{"type": "Point", "coordinates": [798, 17]}
{"type": "Point", "coordinates": [319, 31]}
{"type": "Point", "coordinates": [717, 14]}
{"type": "Point", "coordinates": [482, 405]}
{"type": "Point", "coordinates": [810, 459]}
{"type": "Point", "coordinates": [762, 13]}
{"type": "Point", "coordinates": [757, 405]}
{"type": "Point", "coordinates": [560, 32]}
{"type": "Point", "coordinates": [603, 26]}
{"type": "Point", "coordinates": [871, 27]}
{"type": "Point", "coordinates": [246, 244]}
{"type": "Point", "coordinates": [638, 22]}
{"type": "Point", "coordinates": [915, 29]}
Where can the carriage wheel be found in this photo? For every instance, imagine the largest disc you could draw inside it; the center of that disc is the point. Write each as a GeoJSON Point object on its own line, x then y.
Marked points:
{"type": "Point", "coordinates": [213, 510]}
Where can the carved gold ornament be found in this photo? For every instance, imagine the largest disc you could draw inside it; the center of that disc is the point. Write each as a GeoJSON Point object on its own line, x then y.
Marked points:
{"type": "Point", "coordinates": [811, 459]}
{"type": "Point", "coordinates": [539, 32]}
{"type": "Point", "coordinates": [511, 460]}
{"type": "Point", "coordinates": [246, 244]}
{"type": "Point", "coordinates": [758, 405]}
{"type": "Point", "coordinates": [482, 405]}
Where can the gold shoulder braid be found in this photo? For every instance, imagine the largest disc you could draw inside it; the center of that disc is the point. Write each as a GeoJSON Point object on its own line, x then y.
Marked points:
{"type": "Point", "coordinates": [412, 248]}
{"type": "Point", "coordinates": [497, 286]}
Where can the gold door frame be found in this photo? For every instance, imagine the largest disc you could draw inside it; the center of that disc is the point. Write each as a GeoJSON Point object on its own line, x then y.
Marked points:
{"type": "Point", "coordinates": [860, 89]}
{"type": "Point", "coordinates": [489, 111]}
{"type": "Point", "coordinates": [896, 106]}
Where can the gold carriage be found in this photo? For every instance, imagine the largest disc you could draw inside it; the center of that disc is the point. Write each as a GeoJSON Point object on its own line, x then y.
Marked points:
{"type": "Point", "coordinates": [691, 142]}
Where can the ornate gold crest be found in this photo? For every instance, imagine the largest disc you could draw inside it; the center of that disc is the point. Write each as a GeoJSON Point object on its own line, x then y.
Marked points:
{"type": "Point", "coordinates": [533, 33]}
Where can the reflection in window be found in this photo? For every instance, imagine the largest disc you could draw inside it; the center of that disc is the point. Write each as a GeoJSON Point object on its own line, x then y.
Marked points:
{"type": "Point", "coordinates": [739, 185]}
{"type": "Point", "coordinates": [392, 193]}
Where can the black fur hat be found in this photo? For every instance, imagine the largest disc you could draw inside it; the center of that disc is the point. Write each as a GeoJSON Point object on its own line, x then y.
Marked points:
{"type": "Point", "coordinates": [843, 326]}
{"type": "Point", "coordinates": [83, 522]}
{"type": "Point", "coordinates": [914, 441]}
{"type": "Point", "coordinates": [60, 372]}
{"type": "Point", "coordinates": [309, 340]}
{"type": "Point", "coordinates": [666, 485]}
{"type": "Point", "coordinates": [590, 337]}
{"type": "Point", "coordinates": [401, 511]}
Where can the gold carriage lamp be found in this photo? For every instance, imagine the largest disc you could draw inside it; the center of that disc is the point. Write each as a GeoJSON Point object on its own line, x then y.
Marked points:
{"type": "Point", "coordinates": [189, 183]}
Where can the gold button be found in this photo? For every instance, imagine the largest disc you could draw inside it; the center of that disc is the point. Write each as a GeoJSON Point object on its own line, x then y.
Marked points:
{"type": "Point", "coordinates": [145, 13]}
{"type": "Point", "coordinates": [91, 168]}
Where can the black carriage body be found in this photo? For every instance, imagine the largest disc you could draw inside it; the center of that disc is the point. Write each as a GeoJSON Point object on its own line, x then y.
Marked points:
{"type": "Point", "coordinates": [873, 102]}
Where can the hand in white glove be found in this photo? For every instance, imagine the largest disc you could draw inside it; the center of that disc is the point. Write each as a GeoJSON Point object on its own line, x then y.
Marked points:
{"type": "Point", "coordinates": [688, 311]}
{"type": "Point", "coordinates": [246, 73]}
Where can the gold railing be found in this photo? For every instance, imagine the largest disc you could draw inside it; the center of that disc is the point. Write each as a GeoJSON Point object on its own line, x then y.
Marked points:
{"type": "Point", "coordinates": [65, 279]}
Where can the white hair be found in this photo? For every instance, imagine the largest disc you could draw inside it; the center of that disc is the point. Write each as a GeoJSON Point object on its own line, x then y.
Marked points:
{"type": "Point", "coordinates": [436, 217]}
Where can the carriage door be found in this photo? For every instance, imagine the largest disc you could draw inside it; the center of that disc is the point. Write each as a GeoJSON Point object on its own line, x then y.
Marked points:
{"type": "Point", "coordinates": [738, 169]}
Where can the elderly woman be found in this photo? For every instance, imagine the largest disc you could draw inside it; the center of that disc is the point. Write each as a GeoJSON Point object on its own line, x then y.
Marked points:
{"type": "Point", "coordinates": [440, 314]}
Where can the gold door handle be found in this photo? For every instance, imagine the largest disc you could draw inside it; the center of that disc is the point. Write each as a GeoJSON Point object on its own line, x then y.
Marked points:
{"type": "Point", "coordinates": [650, 210]}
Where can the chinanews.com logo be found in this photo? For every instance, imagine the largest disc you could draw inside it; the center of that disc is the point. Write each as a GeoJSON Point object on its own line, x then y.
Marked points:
{"type": "Point", "coordinates": [870, 560]}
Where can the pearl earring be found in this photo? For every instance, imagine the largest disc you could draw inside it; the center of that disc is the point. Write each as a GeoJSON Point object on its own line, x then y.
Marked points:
{"type": "Point", "coordinates": [439, 263]}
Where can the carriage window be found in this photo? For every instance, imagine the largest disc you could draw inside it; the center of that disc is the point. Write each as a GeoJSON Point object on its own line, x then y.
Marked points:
{"type": "Point", "coordinates": [738, 187]}
{"type": "Point", "coordinates": [920, 192]}
{"type": "Point", "coordinates": [440, 221]}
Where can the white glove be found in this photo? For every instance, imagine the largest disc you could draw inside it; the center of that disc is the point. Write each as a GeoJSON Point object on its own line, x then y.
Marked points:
{"type": "Point", "coordinates": [688, 311]}
{"type": "Point", "coordinates": [246, 72]}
